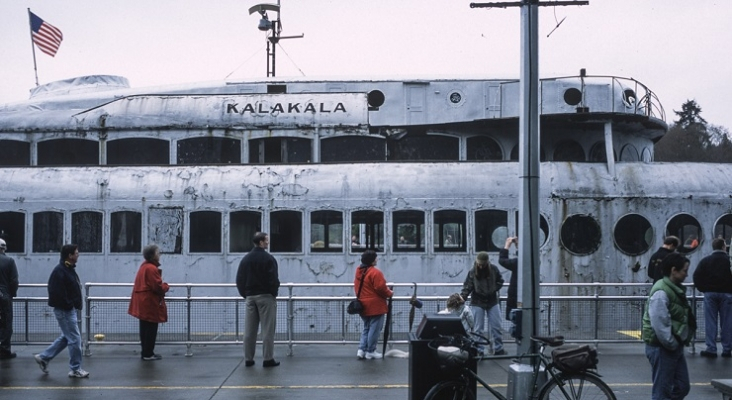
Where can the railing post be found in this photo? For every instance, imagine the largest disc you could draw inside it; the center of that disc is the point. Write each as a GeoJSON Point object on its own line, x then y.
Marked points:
{"type": "Point", "coordinates": [290, 320]}
{"type": "Point", "coordinates": [87, 348]}
{"type": "Point", "coordinates": [597, 310]}
{"type": "Point", "coordinates": [189, 352]}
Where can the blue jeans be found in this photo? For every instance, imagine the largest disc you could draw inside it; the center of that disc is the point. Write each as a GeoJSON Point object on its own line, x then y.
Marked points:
{"type": "Point", "coordinates": [70, 337]}
{"type": "Point", "coordinates": [718, 305]}
{"type": "Point", "coordinates": [370, 334]}
{"type": "Point", "coordinates": [669, 372]}
{"type": "Point", "coordinates": [494, 324]}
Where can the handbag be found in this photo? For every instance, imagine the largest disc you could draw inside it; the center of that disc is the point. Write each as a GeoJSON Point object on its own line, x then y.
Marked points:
{"type": "Point", "coordinates": [355, 306]}
{"type": "Point", "coordinates": [575, 359]}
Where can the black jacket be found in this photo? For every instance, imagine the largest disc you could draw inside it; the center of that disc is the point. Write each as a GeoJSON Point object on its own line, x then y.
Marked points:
{"type": "Point", "coordinates": [8, 276]}
{"type": "Point", "coordinates": [510, 264]}
{"type": "Point", "coordinates": [482, 288]}
{"type": "Point", "coordinates": [64, 288]}
{"type": "Point", "coordinates": [654, 264]}
{"type": "Point", "coordinates": [713, 273]}
{"type": "Point", "coordinates": [257, 274]}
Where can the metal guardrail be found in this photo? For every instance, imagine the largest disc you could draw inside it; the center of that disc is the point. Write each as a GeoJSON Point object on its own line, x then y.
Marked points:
{"type": "Point", "coordinates": [213, 314]}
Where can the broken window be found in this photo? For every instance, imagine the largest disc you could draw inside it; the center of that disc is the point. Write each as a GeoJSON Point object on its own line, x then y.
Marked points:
{"type": "Point", "coordinates": [326, 231]}
{"type": "Point", "coordinates": [569, 150]}
{"type": "Point", "coordinates": [449, 231]}
{"type": "Point", "coordinates": [687, 229]}
{"type": "Point", "coordinates": [138, 151]}
{"type": "Point", "coordinates": [581, 234]}
{"type": "Point", "coordinates": [205, 232]}
{"type": "Point", "coordinates": [242, 227]}
{"type": "Point", "coordinates": [633, 234]}
{"type": "Point", "coordinates": [12, 231]}
{"type": "Point", "coordinates": [165, 229]}
{"type": "Point", "coordinates": [48, 232]}
{"type": "Point", "coordinates": [367, 230]}
{"type": "Point", "coordinates": [285, 231]}
{"type": "Point", "coordinates": [86, 231]}
{"type": "Point", "coordinates": [209, 150]}
{"type": "Point", "coordinates": [125, 232]}
{"type": "Point", "coordinates": [422, 147]}
{"type": "Point", "coordinates": [15, 153]}
{"type": "Point", "coordinates": [483, 148]}
{"type": "Point", "coordinates": [491, 229]}
{"type": "Point", "coordinates": [68, 152]}
{"type": "Point", "coordinates": [543, 229]}
{"type": "Point", "coordinates": [353, 149]}
{"type": "Point", "coordinates": [408, 230]}
{"type": "Point", "coordinates": [279, 150]}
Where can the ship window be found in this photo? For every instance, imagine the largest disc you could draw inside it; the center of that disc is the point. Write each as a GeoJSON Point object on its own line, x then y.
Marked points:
{"type": "Point", "coordinates": [353, 149]}
{"type": "Point", "coordinates": [572, 96]}
{"type": "Point", "coordinates": [722, 229]}
{"type": "Point", "coordinates": [491, 229]}
{"type": "Point", "coordinates": [515, 154]}
{"type": "Point", "coordinates": [205, 233]}
{"type": "Point", "coordinates": [243, 225]}
{"type": "Point", "coordinates": [367, 230]}
{"type": "Point", "coordinates": [276, 89]}
{"type": "Point", "coordinates": [633, 234]}
{"type": "Point", "coordinates": [165, 228]}
{"type": "Point", "coordinates": [326, 231]}
{"type": "Point", "coordinates": [209, 150]}
{"type": "Point", "coordinates": [68, 152]}
{"type": "Point", "coordinates": [686, 228]}
{"type": "Point", "coordinates": [646, 156]}
{"type": "Point", "coordinates": [598, 153]}
{"type": "Point", "coordinates": [408, 230]}
{"type": "Point", "coordinates": [424, 147]}
{"type": "Point", "coordinates": [629, 153]}
{"type": "Point", "coordinates": [138, 151]}
{"type": "Point", "coordinates": [449, 231]}
{"type": "Point", "coordinates": [569, 150]}
{"type": "Point", "coordinates": [48, 232]}
{"type": "Point", "coordinates": [543, 230]}
{"type": "Point", "coordinates": [86, 231]}
{"type": "Point", "coordinates": [285, 231]}
{"type": "Point", "coordinates": [15, 153]}
{"type": "Point", "coordinates": [279, 150]}
{"type": "Point", "coordinates": [483, 148]}
{"type": "Point", "coordinates": [12, 231]}
{"type": "Point", "coordinates": [126, 232]}
{"type": "Point", "coordinates": [580, 234]}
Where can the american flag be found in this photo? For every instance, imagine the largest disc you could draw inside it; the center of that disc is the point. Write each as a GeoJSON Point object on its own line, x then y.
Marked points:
{"type": "Point", "coordinates": [46, 36]}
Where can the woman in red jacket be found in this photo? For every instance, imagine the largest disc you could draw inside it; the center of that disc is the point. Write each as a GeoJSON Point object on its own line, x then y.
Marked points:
{"type": "Point", "coordinates": [373, 297]}
{"type": "Point", "coordinates": [148, 301]}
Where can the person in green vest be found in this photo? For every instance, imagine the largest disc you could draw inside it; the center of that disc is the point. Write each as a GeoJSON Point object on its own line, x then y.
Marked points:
{"type": "Point", "coordinates": [668, 326]}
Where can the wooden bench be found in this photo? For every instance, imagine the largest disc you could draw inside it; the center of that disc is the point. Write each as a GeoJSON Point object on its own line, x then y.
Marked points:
{"type": "Point", "coordinates": [724, 386]}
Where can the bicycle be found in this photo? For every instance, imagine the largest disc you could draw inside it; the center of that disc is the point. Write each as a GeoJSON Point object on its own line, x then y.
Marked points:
{"type": "Point", "coordinates": [456, 352]}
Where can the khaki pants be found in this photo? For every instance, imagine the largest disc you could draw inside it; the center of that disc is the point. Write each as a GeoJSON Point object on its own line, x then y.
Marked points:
{"type": "Point", "coordinates": [261, 308]}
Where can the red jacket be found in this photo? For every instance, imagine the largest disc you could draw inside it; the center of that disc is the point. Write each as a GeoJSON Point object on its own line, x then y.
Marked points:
{"type": "Point", "coordinates": [148, 295]}
{"type": "Point", "coordinates": [374, 292]}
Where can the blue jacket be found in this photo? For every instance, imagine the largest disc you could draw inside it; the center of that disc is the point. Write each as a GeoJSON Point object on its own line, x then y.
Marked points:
{"type": "Point", "coordinates": [64, 288]}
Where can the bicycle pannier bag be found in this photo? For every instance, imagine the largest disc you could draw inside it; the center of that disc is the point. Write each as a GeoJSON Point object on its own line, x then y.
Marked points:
{"type": "Point", "coordinates": [575, 359]}
{"type": "Point", "coordinates": [355, 307]}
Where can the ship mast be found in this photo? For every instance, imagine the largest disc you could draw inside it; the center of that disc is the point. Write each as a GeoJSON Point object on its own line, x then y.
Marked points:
{"type": "Point", "coordinates": [273, 29]}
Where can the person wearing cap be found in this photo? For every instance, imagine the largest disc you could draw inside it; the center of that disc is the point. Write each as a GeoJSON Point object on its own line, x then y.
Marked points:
{"type": "Point", "coordinates": [8, 290]}
{"type": "Point", "coordinates": [482, 285]}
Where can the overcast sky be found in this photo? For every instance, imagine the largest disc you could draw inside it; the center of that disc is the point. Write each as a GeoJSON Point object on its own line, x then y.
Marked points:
{"type": "Point", "coordinates": [680, 49]}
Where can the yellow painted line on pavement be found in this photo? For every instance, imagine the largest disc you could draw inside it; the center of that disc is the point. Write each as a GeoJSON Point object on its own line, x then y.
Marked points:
{"type": "Point", "coordinates": [636, 334]}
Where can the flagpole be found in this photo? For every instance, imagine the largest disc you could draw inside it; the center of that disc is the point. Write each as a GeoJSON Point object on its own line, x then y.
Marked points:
{"type": "Point", "coordinates": [33, 48]}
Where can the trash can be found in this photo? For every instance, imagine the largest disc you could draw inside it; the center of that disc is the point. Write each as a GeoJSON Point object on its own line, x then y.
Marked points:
{"type": "Point", "coordinates": [424, 367]}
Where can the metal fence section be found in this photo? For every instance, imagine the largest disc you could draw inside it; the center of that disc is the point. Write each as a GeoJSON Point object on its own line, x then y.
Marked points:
{"type": "Point", "coordinates": [213, 314]}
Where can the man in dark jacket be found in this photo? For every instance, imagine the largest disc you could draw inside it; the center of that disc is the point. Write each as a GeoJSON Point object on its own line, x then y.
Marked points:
{"type": "Point", "coordinates": [64, 295]}
{"type": "Point", "coordinates": [482, 285]}
{"type": "Point", "coordinates": [8, 290]}
{"type": "Point", "coordinates": [714, 278]}
{"type": "Point", "coordinates": [670, 244]}
{"type": "Point", "coordinates": [258, 282]}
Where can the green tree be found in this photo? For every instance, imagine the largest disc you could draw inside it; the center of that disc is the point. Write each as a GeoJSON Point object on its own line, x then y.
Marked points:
{"type": "Point", "coordinates": [690, 115]}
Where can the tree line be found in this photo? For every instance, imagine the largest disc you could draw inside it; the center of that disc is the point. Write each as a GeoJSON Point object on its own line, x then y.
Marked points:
{"type": "Point", "coordinates": [691, 138]}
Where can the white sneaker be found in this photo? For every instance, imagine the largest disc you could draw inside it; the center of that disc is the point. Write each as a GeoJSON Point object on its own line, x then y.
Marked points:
{"type": "Point", "coordinates": [373, 355]}
{"type": "Point", "coordinates": [360, 354]}
{"type": "Point", "coordinates": [79, 373]}
{"type": "Point", "coordinates": [41, 363]}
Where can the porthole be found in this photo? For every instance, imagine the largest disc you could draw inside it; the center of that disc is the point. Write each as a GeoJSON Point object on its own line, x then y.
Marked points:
{"type": "Point", "coordinates": [687, 229]}
{"type": "Point", "coordinates": [633, 234]}
{"type": "Point", "coordinates": [723, 228]}
{"type": "Point", "coordinates": [376, 98]}
{"type": "Point", "coordinates": [456, 98]}
{"type": "Point", "coordinates": [572, 96]}
{"type": "Point", "coordinates": [581, 234]}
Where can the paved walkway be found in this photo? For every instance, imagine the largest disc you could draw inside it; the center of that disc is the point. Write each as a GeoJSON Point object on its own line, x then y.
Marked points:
{"type": "Point", "coordinates": [313, 372]}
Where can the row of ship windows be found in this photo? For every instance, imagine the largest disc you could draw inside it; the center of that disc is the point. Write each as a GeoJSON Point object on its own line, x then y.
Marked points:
{"type": "Point", "coordinates": [579, 234]}
{"type": "Point", "coordinates": [220, 150]}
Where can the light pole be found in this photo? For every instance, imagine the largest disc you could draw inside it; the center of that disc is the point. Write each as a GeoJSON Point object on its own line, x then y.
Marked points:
{"type": "Point", "coordinates": [275, 27]}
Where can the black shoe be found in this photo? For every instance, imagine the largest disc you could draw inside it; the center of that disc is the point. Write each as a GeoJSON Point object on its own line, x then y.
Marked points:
{"type": "Point", "coordinates": [270, 363]}
{"type": "Point", "coordinates": [249, 363]}
{"type": "Point", "coordinates": [499, 353]}
{"type": "Point", "coordinates": [7, 355]}
{"type": "Point", "coordinates": [707, 354]}
{"type": "Point", "coordinates": [726, 354]}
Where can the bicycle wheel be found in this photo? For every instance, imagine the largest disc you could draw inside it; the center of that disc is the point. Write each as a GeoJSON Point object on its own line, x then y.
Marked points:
{"type": "Point", "coordinates": [450, 390]}
{"type": "Point", "coordinates": [576, 387]}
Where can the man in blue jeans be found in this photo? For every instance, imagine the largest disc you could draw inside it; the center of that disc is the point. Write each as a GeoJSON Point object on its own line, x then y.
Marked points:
{"type": "Point", "coordinates": [714, 278]}
{"type": "Point", "coordinates": [482, 285]}
{"type": "Point", "coordinates": [64, 295]}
